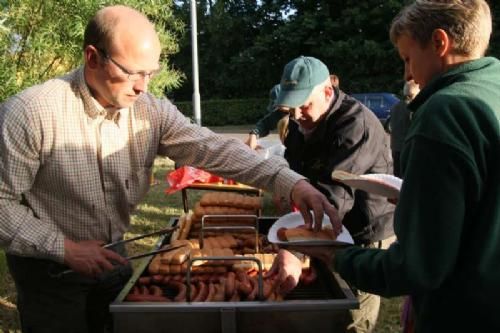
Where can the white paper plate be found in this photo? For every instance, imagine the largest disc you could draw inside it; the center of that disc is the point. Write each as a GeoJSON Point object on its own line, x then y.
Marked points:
{"type": "Point", "coordinates": [376, 183]}
{"type": "Point", "coordinates": [293, 220]}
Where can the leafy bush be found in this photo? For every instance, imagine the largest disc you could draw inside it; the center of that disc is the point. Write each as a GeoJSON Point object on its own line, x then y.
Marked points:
{"type": "Point", "coordinates": [40, 40]}
{"type": "Point", "coordinates": [227, 112]}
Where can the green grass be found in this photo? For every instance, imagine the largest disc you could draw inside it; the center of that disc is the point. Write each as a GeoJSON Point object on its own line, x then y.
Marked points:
{"type": "Point", "coordinates": [154, 214]}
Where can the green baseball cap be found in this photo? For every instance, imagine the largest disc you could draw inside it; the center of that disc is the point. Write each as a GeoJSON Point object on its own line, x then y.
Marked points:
{"type": "Point", "coordinates": [300, 76]}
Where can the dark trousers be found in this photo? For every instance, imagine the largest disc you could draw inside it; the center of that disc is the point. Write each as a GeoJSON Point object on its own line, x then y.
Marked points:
{"type": "Point", "coordinates": [69, 303]}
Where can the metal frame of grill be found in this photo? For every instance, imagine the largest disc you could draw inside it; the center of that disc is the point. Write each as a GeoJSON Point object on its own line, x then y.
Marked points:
{"type": "Point", "coordinates": [320, 307]}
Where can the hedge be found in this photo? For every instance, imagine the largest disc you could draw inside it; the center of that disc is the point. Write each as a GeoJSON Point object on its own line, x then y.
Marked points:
{"type": "Point", "coordinates": [227, 112]}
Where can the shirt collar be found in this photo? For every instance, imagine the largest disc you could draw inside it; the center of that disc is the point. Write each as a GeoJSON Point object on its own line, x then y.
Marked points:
{"type": "Point", "coordinates": [91, 106]}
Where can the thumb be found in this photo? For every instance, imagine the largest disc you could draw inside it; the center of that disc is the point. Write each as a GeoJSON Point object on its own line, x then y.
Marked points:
{"type": "Point", "coordinates": [273, 270]}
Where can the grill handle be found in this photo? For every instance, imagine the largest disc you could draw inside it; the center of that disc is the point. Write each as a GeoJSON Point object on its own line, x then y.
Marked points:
{"type": "Point", "coordinates": [260, 281]}
{"type": "Point", "coordinates": [226, 227]}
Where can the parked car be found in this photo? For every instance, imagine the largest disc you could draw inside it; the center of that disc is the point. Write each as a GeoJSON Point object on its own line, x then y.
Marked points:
{"type": "Point", "coordinates": [379, 103]}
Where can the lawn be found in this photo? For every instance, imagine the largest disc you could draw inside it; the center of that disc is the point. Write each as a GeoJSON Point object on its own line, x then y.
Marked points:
{"type": "Point", "coordinates": [153, 214]}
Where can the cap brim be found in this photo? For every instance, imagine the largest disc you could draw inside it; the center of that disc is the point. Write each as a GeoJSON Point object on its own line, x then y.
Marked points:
{"type": "Point", "coordinates": [292, 98]}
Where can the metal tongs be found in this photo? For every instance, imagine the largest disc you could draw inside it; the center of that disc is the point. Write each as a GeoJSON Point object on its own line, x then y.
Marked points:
{"type": "Point", "coordinates": [137, 256]}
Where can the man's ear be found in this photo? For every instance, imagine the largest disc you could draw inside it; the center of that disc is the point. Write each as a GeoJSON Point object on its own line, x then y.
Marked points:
{"type": "Point", "coordinates": [328, 92]}
{"type": "Point", "coordinates": [91, 57]}
{"type": "Point", "coordinates": [441, 42]}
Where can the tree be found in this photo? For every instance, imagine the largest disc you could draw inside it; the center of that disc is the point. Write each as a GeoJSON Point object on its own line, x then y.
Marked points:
{"type": "Point", "coordinates": [43, 39]}
{"type": "Point", "coordinates": [244, 44]}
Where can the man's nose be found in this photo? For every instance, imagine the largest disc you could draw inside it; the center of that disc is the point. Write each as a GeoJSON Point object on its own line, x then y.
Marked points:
{"type": "Point", "coordinates": [141, 85]}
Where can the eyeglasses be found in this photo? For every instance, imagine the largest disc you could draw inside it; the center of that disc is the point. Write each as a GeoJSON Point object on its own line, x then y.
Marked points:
{"type": "Point", "coordinates": [131, 75]}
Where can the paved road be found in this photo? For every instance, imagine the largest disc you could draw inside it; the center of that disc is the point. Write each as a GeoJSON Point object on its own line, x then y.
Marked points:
{"type": "Point", "coordinates": [240, 132]}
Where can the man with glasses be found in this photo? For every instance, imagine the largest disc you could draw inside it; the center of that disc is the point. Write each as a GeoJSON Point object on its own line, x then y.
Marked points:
{"type": "Point", "coordinates": [329, 130]}
{"type": "Point", "coordinates": [76, 154]}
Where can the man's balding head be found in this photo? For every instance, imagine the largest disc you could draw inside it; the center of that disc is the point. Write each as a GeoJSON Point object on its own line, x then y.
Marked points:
{"type": "Point", "coordinates": [113, 24]}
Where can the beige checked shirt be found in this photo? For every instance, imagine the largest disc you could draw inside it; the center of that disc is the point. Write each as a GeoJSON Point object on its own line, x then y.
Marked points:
{"type": "Point", "coordinates": [70, 169]}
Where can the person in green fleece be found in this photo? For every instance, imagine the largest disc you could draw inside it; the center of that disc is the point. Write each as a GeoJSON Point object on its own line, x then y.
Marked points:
{"type": "Point", "coordinates": [447, 219]}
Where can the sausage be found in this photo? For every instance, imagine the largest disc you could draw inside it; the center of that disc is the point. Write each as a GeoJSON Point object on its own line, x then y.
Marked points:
{"type": "Point", "coordinates": [267, 288]}
{"type": "Point", "coordinates": [235, 297]}
{"type": "Point", "coordinates": [230, 284]}
{"type": "Point", "coordinates": [255, 288]}
{"type": "Point", "coordinates": [214, 278]}
{"type": "Point", "coordinates": [155, 290]}
{"type": "Point", "coordinates": [244, 286]}
{"type": "Point", "coordinates": [145, 280]}
{"type": "Point", "coordinates": [157, 278]}
{"type": "Point", "coordinates": [146, 298]}
{"type": "Point", "coordinates": [135, 291]}
{"type": "Point", "coordinates": [220, 291]}
{"type": "Point", "coordinates": [177, 277]}
{"type": "Point", "coordinates": [181, 290]}
{"type": "Point", "coordinates": [194, 292]}
{"type": "Point", "coordinates": [202, 292]}
{"type": "Point", "coordinates": [281, 233]}
{"type": "Point", "coordinates": [211, 292]}
{"type": "Point", "coordinates": [144, 290]}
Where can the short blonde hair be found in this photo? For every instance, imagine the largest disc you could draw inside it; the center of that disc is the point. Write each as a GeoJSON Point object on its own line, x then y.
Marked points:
{"type": "Point", "coordinates": [467, 22]}
{"type": "Point", "coordinates": [283, 128]}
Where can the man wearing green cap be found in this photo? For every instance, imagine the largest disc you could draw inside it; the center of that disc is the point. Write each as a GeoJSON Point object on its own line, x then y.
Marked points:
{"type": "Point", "coordinates": [329, 130]}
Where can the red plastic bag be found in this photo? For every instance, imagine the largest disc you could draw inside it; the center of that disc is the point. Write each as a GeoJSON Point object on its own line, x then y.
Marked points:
{"type": "Point", "coordinates": [186, 175]}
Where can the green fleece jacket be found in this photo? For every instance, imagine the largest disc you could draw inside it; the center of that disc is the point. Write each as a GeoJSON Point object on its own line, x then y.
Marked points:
{"type": "Point", "coordinates": [447, 220]}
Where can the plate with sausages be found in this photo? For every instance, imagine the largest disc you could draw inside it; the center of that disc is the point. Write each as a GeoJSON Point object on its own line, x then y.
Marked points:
{"type": "Point", "coordinates": [291, 230]}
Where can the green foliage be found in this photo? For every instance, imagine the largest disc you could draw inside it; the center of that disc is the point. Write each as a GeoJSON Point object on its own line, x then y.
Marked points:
{"type": "Point", "coordinates": [227, 112]}
{"type": "Point", "coordinates": [43, 39]}
{"type": "Point", "coordinates": [244, 45]}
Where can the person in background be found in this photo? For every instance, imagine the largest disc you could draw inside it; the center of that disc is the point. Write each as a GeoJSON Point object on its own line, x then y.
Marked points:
{"type": "Point", "coordinates": [267, 123]}
{"type": "Point", "coordinates": [399, 123]}
{"type": "Point", "coordinates": [447, 219]}
{"type": "Point", "coordinates": [329, 130]}
{"type": "Point", "coordinates": [275, 114]}
{"type": "Point", "coordinates": [76, 154]}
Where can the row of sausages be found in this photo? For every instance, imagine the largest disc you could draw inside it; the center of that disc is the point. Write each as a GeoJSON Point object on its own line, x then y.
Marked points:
{"type": "Point", "coordinates": [232, 287]}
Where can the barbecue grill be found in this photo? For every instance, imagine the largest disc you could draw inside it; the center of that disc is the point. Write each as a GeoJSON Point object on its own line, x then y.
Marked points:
{"type": "Point", "coordinates": [319, 307]}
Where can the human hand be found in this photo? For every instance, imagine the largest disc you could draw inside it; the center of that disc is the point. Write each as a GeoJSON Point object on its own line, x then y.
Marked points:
{"type": "Point", "coordinates": [89, 258]}
{"type": "Point", "coordinates": [287, 268]}
{"type": "Point", "coordinates": [307, 198]}
{"type": "Point", "coordinates": [251, 141]}
{"type": "Point", "coordinates": [323, 253]}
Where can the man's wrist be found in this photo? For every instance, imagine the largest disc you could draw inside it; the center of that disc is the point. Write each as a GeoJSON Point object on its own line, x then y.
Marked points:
{"type": "Point", "coordinates": [254, 132]}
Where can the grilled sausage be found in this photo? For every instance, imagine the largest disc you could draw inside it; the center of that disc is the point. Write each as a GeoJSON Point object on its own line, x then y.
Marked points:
{"type": "Point", "coordinates": [146, 298]}
{"type": "Point", "coordinates": [202, 292]}
{"type": "Point", "coordinates": [255, 288]}
{"type": "Point", "coordinates": [235, 297]}
{"type": "Point", "coordinates": [145, 280]}
{"type": "Point", "coordinates": [181, 290]}
{"type": "Point", "coordinates": [220, 291]}
{"type": "Point", "coordinates": [230, 284]}
{"type": "Point", "coordinates": [157, 278]}
{"type": "Point", "coordinates": [244, 286]}
{"type": "Point", "coordinates": [194, 291]}
{"type": "Point", "coordinates": [211, 292]}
